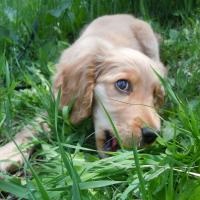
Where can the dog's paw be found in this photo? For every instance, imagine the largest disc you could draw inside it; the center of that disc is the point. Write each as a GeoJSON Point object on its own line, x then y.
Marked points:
{"type": "Point", "coordinates": [11, 158]}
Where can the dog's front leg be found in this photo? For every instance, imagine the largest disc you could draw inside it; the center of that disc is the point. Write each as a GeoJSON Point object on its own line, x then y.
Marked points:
{"type": "Point", "coordinates": [13, 154]}
{"type": "Point", "coordinates": [10, 155]}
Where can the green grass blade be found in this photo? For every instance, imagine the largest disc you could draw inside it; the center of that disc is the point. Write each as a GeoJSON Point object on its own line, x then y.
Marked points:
{"type": "Point", "coordinates": [139, 173]}
{"type": "Point", "coordinates": [97, 184]}
{"type": "Point", "coordinates": [16, 189]}
{"type": "Point", "coordinates": [168, 88]}
{"type": "Point", "coordinates": [68, 163]}
{"type": "Point", "coordinates": [116, 134]}
{"type": "Point", "coordinates": [40, 186]}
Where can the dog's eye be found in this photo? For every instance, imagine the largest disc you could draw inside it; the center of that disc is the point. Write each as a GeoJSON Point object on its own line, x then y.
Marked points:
{"type": "Point", "coordinates": [123, 85]}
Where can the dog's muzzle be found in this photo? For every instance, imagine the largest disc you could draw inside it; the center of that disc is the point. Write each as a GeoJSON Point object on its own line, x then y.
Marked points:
{"type": "Point", "coordinates": [148, 136]}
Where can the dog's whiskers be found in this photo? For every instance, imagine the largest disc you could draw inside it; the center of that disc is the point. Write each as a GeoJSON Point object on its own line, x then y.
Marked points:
{"type": "Point", "coordinates": [132, 104]}
{"type": "Point", "coordinates": [91, 134]}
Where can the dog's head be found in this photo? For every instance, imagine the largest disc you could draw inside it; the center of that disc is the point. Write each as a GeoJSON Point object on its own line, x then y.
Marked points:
{"type": "Point", "coordinates": [126, 83]}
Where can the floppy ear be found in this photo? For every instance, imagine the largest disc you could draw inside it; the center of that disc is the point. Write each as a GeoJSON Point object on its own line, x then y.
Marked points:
{"type": "Point", "coordinates": [75, 78]}
{"type": "Point", "coordinates": [163, 69]}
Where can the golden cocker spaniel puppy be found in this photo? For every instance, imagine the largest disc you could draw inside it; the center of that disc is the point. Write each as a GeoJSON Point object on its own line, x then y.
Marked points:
{"type": "Point", "coordinates": [113, 63]}
{"type": "Point", "coordinates": [111, 66]}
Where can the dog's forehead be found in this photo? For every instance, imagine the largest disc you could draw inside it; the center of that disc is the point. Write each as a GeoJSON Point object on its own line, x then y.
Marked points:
{"type": "Point", "coordinates": [128, 64]}
{"type": "Point", "coordinates": [132, 74]}
{"type": "Point", "coordinates": [137, 60]}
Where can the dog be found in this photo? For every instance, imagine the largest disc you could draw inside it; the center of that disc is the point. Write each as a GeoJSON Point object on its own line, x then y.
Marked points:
{"type": "Point", "coordinates": [111, 69]}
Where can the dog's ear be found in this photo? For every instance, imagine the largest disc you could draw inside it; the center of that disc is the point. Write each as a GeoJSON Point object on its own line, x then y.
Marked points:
{"type": "Point", "coordinates": [163, 69]}
{"type": "Point", "coordinates": [75, 78]}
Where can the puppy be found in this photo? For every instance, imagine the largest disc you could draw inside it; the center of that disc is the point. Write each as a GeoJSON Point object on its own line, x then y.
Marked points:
{"type": "Point", "coordinates": [113, 63]}
{"type": "Point", "coordinates": [112, 66]}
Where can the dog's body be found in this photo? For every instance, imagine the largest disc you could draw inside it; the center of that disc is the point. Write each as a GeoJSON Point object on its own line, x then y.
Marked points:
{"type": "Point", "coordinates": [113, 63]}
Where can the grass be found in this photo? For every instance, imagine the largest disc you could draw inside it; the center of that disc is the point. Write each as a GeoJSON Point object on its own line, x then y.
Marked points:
{"type": "Point", "coordinates": [65, 164]}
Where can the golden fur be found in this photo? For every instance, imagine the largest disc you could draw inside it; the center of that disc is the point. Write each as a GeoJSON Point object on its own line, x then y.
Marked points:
{"type": "Point", "coordinates": [111, 48]}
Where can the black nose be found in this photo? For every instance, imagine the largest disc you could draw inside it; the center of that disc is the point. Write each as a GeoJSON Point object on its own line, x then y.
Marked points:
{"type": "Point", "coordinates": [148, 135]}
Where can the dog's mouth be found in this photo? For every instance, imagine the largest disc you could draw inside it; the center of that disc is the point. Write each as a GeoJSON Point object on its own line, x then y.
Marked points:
{"type": "Point", "coordinates": [111, 143]}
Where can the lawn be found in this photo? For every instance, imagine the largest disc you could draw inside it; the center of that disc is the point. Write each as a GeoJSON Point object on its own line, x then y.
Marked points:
{"type": "Point", "coordinates": [65, 164]}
